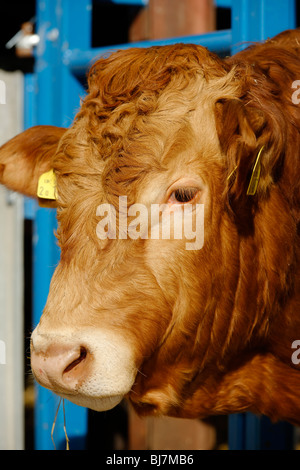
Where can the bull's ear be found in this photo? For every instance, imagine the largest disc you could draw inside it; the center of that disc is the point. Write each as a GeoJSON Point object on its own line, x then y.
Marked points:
{"type": "Point", "coordinates": [261, 113]}
{"type": "Point", "coordinates": [240, 135]}
{"type": "Point", "coordinates": [27, 156]}
{"type": "Point", "coordinates": [253, 129]}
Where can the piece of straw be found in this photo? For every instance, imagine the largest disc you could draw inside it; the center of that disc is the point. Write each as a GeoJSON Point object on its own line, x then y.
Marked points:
{"type": "Point", "coordinates": [65, 429]}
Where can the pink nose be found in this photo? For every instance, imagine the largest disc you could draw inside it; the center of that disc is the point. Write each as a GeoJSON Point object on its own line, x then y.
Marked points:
{"type": "Point", "coordinates": [59, 367]}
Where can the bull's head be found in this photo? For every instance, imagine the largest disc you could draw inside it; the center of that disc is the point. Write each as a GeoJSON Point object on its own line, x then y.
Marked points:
{"type": "Point", "coordinates": [180, 330]}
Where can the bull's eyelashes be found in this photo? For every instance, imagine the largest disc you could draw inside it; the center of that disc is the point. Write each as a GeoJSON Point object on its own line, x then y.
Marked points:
{"type": "Point", "coordinates": [183, 195]}
{"type": "Point", "coordinates": [183, 191]}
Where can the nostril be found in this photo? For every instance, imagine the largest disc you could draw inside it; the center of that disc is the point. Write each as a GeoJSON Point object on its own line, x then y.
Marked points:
{"type": "Point", "coordinates": [62, 366]}
{"type": "Point", "coordinates": [81, 357]}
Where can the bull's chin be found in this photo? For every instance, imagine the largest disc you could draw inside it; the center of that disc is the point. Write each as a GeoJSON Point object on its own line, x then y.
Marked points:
{"type": "Point", "coordinates": [94, 403]}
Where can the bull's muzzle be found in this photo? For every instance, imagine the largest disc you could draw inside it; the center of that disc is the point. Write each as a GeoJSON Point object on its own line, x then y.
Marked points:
{"type": "Point", "coordinates": [91, 368]}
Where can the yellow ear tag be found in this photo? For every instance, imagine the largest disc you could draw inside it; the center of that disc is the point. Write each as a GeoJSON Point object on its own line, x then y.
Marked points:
{"type": "Point", "coordinates": [47, 186]}
{"type": "Point", "coordinates": [254, 180]}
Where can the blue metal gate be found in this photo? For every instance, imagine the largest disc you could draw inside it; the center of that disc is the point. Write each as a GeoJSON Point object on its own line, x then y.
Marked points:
{"type": "Point", "coordinates": [52, 96]}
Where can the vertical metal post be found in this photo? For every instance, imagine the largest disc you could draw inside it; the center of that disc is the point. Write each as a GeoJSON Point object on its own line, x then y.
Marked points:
{"type": "Point", "coordinates": [11, 322]}
{"type": "Point", "coordinates": [77, 16]}
{"type": "Point", "coordinates": [57, 96]}
{"type": "Point", "coordinates": [11, 280]}
{"type": "Point", "coordinates": [257, 20]}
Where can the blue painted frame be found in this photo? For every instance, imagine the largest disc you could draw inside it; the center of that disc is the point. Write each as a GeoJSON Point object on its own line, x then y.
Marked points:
{"type": "Point", "coordinates": [52, 96]}
{"type": "Point", "coordinates": [57, 96]}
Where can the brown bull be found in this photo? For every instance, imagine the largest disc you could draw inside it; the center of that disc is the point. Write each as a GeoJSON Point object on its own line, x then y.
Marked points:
{"type": "Point", "coordinates": [180, 330]}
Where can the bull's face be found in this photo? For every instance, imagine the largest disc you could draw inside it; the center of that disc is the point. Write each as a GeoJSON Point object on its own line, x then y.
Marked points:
{"type": "Point", "coordinates": [153, 298]}
{"type": "Point", "coordinates": [131, 230]}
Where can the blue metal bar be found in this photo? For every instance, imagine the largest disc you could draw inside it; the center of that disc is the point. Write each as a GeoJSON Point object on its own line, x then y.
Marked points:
{"type": "Point", "coordinates": [236, 431]}
{"type": "Point", "coordinates": [29, 100]}
{"type": "Point", "coordinates": [54, 106]}
{"type": "Point", "coordinates": [74, 17]}
{"type": "Point", "coordinates": [79, 60]}
{"type": "Point", "coordinates": [252, 440]}
{"type": "Point", "coordinates": [46, 257]}
{"type": "Point", "coordinates": [46, 254]}
{"type": "Point", "coordinates": [257, 20]}
{"type": "Point", "coordinates": [250, 432]}
{"type": "Point", "coordinates": [223, 3]}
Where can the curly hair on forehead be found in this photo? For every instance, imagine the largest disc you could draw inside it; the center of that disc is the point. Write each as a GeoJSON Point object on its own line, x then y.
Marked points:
{"type": "Point", "coordinates": [134, 97]}
{"type": "Point", "coordinates": [126, 74]}
{"type": "Point", "coordinates": [137, 100]}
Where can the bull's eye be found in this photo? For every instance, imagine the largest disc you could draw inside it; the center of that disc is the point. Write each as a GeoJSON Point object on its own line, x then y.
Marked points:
{"type": "Point", "coordinates": [183, 195]}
